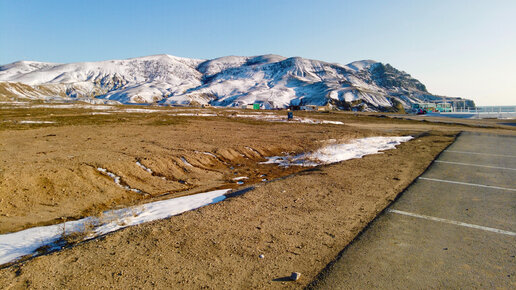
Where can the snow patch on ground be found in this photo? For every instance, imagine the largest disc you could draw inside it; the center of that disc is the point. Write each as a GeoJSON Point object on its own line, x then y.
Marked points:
{"type": "Point", "coordinates": [207, 153]}
{"type": "Point", "coordinates": [16, 245]}
{"type": "Point", "coordinates": [340, 152]}
{"type": "Point", "coordinates": [117, 180]}
{"type": "Point", "coordinates": [35, 122]}
{"type": "Point", "coordinates": [144, 167]}
{"type": "Point", "coordinates": [186, 162]}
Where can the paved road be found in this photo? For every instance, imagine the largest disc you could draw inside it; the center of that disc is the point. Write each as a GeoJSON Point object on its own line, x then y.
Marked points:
{"type": "Point", "coordinates": [455, 227]}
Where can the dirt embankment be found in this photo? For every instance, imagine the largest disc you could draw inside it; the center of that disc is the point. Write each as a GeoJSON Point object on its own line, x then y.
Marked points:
{"type": "Point", "coordinates": [298, 223]}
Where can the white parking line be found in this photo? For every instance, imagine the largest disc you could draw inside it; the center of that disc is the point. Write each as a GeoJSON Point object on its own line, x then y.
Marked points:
{"type": "Point", "coordinates": [465, 183]}
{"type": "Point", "coordinates": [452, 222]}
{"type": "Point", "coordinates": [478, 153]}
{"type": "Point", "coordinates": [477, 165]}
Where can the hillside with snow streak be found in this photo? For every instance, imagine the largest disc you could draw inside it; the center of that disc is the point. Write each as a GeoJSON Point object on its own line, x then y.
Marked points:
{"type": "Point", "coordinates": [233, 81]}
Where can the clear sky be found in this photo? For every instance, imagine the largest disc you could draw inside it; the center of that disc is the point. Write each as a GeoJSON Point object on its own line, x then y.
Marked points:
{"type": "Point", "coordinates": [455, 47]}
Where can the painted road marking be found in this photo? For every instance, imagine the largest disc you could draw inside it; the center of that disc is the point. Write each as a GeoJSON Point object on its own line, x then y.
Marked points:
{"type": "Point", "coordinates": [452, 222]}
{"type": "Point", "coordinates": [478, 153]}
{"type": "Point", "coordinates": [465, 183]}
{"type": "Point", "coordinates": [477, 165]}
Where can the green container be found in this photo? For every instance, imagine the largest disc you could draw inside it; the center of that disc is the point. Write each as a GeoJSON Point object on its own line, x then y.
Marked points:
{"type": "Point", "coordinates": [256, 106]}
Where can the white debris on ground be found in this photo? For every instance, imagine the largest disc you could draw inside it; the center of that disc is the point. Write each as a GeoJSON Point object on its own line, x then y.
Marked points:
{"type": "Point", "coordinates": [144, 167]}
{"type": "Point", "coordinates": [117, 180]}
{"type": "Point", "coordinates": [27, 242]}
{"type": "Point", "coordinates": [240, 178]}
{"type": "Point", "coordinates": [339, 152]}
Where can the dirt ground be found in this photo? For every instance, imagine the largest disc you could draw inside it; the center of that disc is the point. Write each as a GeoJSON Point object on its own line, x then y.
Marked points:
{"type": "Point", "coordinates": [299, 221]}
{"type": "Point", "coordinates": [49, 174]}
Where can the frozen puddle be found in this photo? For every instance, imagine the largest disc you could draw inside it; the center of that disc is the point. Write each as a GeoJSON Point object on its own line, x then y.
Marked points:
{"type": "Point", "coordinates": [27, 242]}
{"type": "Point", "coordinates": [339, 152]}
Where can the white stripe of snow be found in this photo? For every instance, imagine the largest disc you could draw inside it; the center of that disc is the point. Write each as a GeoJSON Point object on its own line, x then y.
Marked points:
{"type": "Point", "coordinates": [117, 179]}
{"type": "Point", "coordinates": [340, 152]}
{"type": "Point", "coordinates": [35, 122]}
{"type": "Point", "coordinates": [452, 222]}
{"type": "Point", "coordinates": [186, 162]}
{"type": "Point", "coordinates": [144, 167]}
{"type": "Point", "coordinates": [26, 242]}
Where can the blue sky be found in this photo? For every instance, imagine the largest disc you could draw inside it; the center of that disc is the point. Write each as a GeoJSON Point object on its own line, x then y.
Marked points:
{"type": "Point", "coordinates": [456, 48]}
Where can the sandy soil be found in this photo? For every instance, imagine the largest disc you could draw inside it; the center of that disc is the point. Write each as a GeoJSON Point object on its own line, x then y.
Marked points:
{"type": "Point", "coordinates": [298, 222]}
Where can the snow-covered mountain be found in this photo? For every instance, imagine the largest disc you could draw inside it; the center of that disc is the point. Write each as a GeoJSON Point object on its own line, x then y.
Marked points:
{"type": "Point", "coordinates": [272, 80]}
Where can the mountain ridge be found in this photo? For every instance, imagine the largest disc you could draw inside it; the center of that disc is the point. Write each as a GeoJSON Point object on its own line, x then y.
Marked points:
{"type": "Point", "coordinates": [273, 81]}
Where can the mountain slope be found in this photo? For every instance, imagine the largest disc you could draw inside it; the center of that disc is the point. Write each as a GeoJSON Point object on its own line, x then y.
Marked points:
{"type": "Point", "coordinates": [272, 80]}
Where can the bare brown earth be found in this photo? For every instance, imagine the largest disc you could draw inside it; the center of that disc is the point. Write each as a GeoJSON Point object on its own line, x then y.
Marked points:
{"type": "Point", "coordinates": [298, 222]}
{"type": "Point", "coordinates": [49, 174]}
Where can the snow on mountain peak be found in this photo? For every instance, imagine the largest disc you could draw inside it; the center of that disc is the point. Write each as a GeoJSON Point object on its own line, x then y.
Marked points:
{"type": "Point", "coordinates": [271, 80]}
{"type": "Point", "coordinates": [361, 64]}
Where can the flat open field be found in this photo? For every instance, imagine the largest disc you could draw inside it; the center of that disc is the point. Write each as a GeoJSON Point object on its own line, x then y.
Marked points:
{"type": "Point", "coordinates": [299, 218]}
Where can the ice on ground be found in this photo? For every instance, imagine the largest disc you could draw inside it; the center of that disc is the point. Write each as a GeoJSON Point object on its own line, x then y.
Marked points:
{"type": "Point", "coordinates": [340, 152]}
{"type": "Point", "coordinates": [16, 245]}
{"type": "Point", "coordinates": [35, 122]}
{"type": "Point", "coordinates": [117, 180]}
{"type": "Point", "coordinates": [240, 178]}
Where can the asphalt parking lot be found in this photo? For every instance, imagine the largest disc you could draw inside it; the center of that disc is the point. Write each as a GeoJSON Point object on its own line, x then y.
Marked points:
{"type": "Point", "coordinates": [454, 227]}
